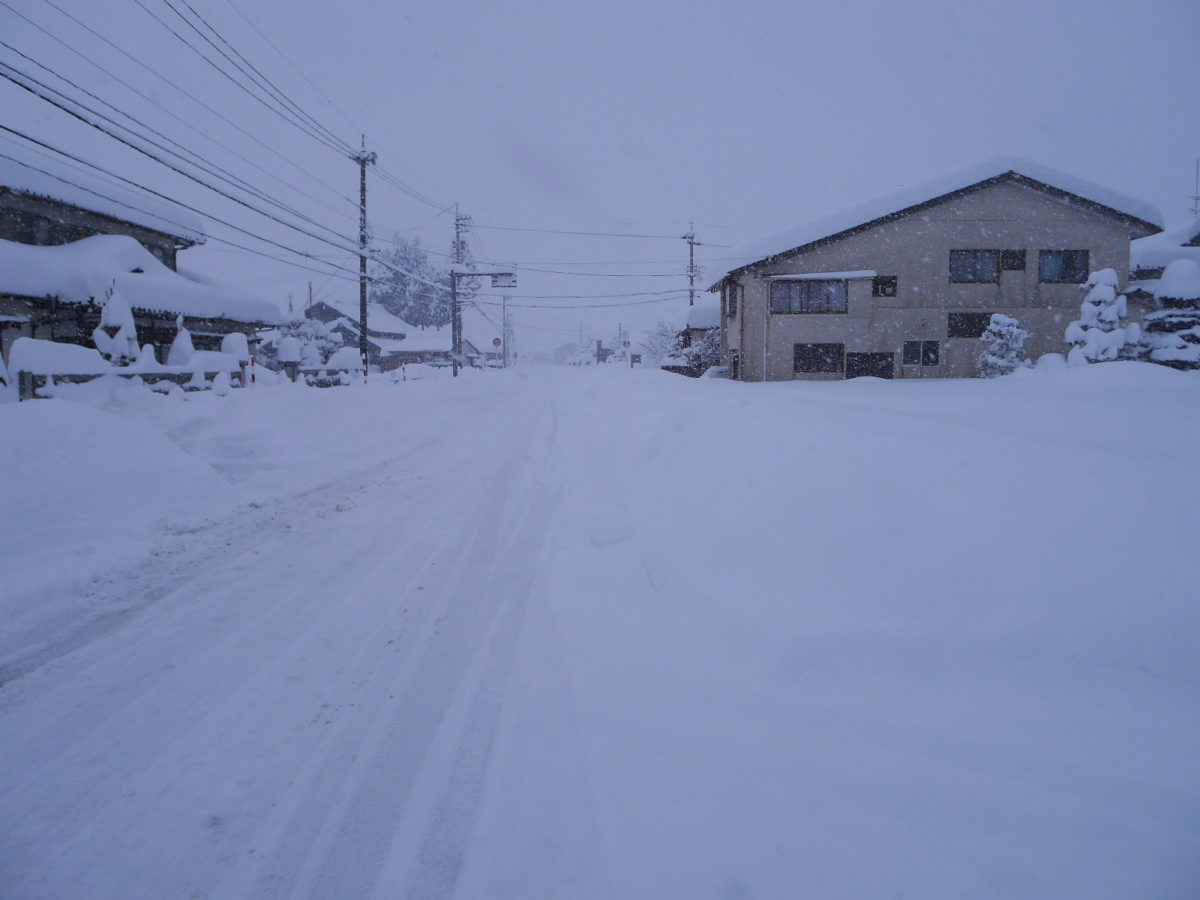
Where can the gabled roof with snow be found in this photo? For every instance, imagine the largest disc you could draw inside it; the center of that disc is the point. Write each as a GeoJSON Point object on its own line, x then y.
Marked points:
{"type": "Point", "coordinates": [379, 321]}
{"type": "Point", "coordinates": [1141, 218]}
{"type": "Point", "coordinates": [58, 180]}
{"type": "Point", "coordinates": [81, 272]}
{"type": "Point", "coordinates": [705, 314]}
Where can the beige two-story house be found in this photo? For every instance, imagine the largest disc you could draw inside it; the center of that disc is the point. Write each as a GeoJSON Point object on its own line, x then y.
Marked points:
{"type": "Point", "coordinates": [904, 287]}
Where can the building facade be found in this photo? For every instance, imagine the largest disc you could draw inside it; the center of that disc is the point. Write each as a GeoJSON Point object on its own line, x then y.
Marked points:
{"type": "Point", "coordinates": [906, 293]}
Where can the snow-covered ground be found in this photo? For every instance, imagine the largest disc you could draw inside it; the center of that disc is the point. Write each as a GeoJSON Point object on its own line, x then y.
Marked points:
{"type": "Point", "coordinates": [604, 633]}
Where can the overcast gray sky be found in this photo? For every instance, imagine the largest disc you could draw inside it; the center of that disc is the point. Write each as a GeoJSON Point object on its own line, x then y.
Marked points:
{"type": "Point", "coordinates": [622, 117]}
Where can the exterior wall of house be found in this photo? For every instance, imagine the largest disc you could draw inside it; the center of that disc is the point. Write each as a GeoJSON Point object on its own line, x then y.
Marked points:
{"type": "Point", "coordinates": [29, 219]}
{"type": "Point", "coordinates": [916, 249]}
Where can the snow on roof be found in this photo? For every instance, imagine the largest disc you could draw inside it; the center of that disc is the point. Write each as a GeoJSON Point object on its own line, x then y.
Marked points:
{"type": "Point", "coordinates": [378, 318]}
{"type": "Point", "coordinates": [705, 314]}
{"type": "Point", "coordinates": [82, 271]}
{"type": "Point", "coordinates": [915, 195]}
{"type": "Point", "coordinates": [59, 180]}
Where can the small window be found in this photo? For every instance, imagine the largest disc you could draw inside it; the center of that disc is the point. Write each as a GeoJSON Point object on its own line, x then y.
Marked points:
{"type": "Point", "coordinates": [967, 324]}
{"type": "Point", "coordinates": [922, 353]}
{"type": "Point", "coordinates": [975, 266]}
{"type": "Point", "coordinates": [883, 286]}
{"type": "Point", "coordinates": [816, 295]}
{"type": "Point", "coordinates": [1012, 260]}
{"type": "Point", "coordinates": [1063, 266]}
{"type": "Point", "coordinates": [731, 304]}
{"type": "Point", "coordinates": [819, 357]}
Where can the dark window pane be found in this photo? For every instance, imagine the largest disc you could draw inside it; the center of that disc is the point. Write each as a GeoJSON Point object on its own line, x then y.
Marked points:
{"type": "Point", "coordinates": [1012, 260]}
{"type": "Point", "coordinates": [931, 352]}
{"type": "Point", "coordinates": [822, 296]}
{"type": "Point", "coordinates": [883, 286]}
{"type": "Point", "coordinates": [731, 310]}
{"type": "Point", "coordinates": [974, 266]}
{"type": "Point", "coordinates": [781, 296]}
{"type": "Point", "coordinates": [967, 325]}
{"type": "Point", "coordinates": [819, 357]}
{"type": "Point", "coordinates": [912, 353]}
{"type": "Point", "coordinates": [1063, 266]}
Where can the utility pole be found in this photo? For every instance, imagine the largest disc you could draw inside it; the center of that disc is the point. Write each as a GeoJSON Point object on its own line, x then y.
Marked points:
{"type": "Point", "coordinates": [364, 159]}
{"type": "Point", "coordinates": [692, 271]}
{"type": "Point", "coordinates": [504, 331]}
{"type": "Point", "coordinates": [461, 223]}
{"type": "Point", "coordinates": [1195, 198]}
{"type": "Point", "coordinates": [309, 296]}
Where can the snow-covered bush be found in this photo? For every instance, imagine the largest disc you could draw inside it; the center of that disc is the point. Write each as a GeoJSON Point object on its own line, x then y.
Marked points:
{"type": "Point", "coordinates": [660, 342]}
{"type": "Point", "coordinates": [1097, 335]}
{"type": "Point", "coordinates": [116, 335]}
{"type": "Point", "coordinates": [1172, 335]}
{"type": "Point", "coordinates": [235, 344]}
{"type": "Point", "coordinates": [181, 350]}
{"type": "Point", "coordinates": [1005, 340]}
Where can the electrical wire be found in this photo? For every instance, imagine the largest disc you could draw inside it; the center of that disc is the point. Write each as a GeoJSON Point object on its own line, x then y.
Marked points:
{"type": "Point", "coordinates": [147, 153]}
{"type": "Point", "coordinates": [178, 224]}
{"type": "Point", "coordinates": [170, 112]}
{"type": "Point", "coordinates": [165, 80]}
{"type": "Point", "coordinates": [198, 161]}
{"type": "Point", "coordinates": [341, 150]}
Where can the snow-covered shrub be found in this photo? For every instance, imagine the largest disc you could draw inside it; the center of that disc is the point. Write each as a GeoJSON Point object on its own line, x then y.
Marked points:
{"type": "Point", "coordinates": [1097, 335]}
{"type": "Point", "coordinates": [705, 352]}
{"type": "Point", "coordinates": [235, 344]}
{"type": "Point", "coordinates": [660, 342]}
{"type": "Point", "coordinates": [181, 350]}
{"type": "Point", "coordinates": [116, 335]}
{"type": "Point", "coordinates": [1005, 340]}
{"type": "Point", "coordinates": [1172, 335]}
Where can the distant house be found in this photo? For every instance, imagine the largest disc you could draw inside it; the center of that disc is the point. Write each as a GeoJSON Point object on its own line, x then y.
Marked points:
{"type": "Point", "coordinates": [392, 342]}
{"type": "Point", "coordinates": [65, 242]}
{"type": "Point", "coordinates": [903, 287]}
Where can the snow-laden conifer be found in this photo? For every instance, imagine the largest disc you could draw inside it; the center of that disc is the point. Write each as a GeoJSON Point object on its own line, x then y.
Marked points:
{"type": "Point", "coordinates": [1172, 335]}
{"type": "Point", "coordinates": [1098, 335]}
{"type": "Point", "coordinates": [181, 350]}
{"type": "Point", "coordinates": [1004, 353]}
{"type": "Point", "coordinates": [116, 335]}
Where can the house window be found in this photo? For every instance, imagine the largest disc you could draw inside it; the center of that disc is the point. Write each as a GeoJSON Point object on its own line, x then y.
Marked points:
{"type": "Point", "coordinates": [1012, 260]}
{"type": "Point", "coordinates": [922, 353]}
{"type": "Point", "coordinates": [731, 301]}
{"type": "Point", "coordinates": [883, 286]}
{"type": "Point", "coordinates": [1063, 266]}
{"type": "Point", "coordinates": [967, 324]}
{"type": "Point", "coordinates": [819, 357]}
{"type": "Point", "coordinates": [975, 266]}
{"type": "Point", "coordinates": [815, 295]}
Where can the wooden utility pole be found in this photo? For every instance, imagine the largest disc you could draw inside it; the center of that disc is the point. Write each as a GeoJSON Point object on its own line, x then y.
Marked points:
{"type": "Point", "coordinates": [690, 237]}
{"type": "Point", "coordinates": [461, 223]}
{"type": "Point", "coordinates": [363, 158]}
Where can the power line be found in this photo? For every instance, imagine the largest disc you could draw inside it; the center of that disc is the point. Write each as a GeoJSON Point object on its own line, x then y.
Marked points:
{"type": "Point", "coordinates": [147, 153]}
{"type": "Point", "coordinates": [212, 237]}
{"type": "Point", "coordinates": [275, 109]}
{"type": "Point", "coordinates": [210, 169]}
{"type": "Point", "coordinates": [191, 97]}
{"type": "Point", "coordinates": [188, 124]}
{"type": "Point", "coordinates": [263, 82]}
{"type": "Point", "coordinates": [583, 305]}
{"type": "Point", "coordinates": [666, 237]}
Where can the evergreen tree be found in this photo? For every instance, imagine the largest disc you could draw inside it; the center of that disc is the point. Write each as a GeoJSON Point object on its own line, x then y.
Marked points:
{"type": "Point", "coordinates": [704, 352]}
{"type": "Point", "coordinates": [1173, 332]}
{"type": "Point", "coordinates": [407, 285]}
{"type": "Point", "coordinates": [1005, 340]}
{"type": "Point", "coordinates": [1097, 335]}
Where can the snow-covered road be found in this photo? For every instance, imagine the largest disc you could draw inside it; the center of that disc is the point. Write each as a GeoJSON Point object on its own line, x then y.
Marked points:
{"type": "Point", "coordinates": [605, 634]}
